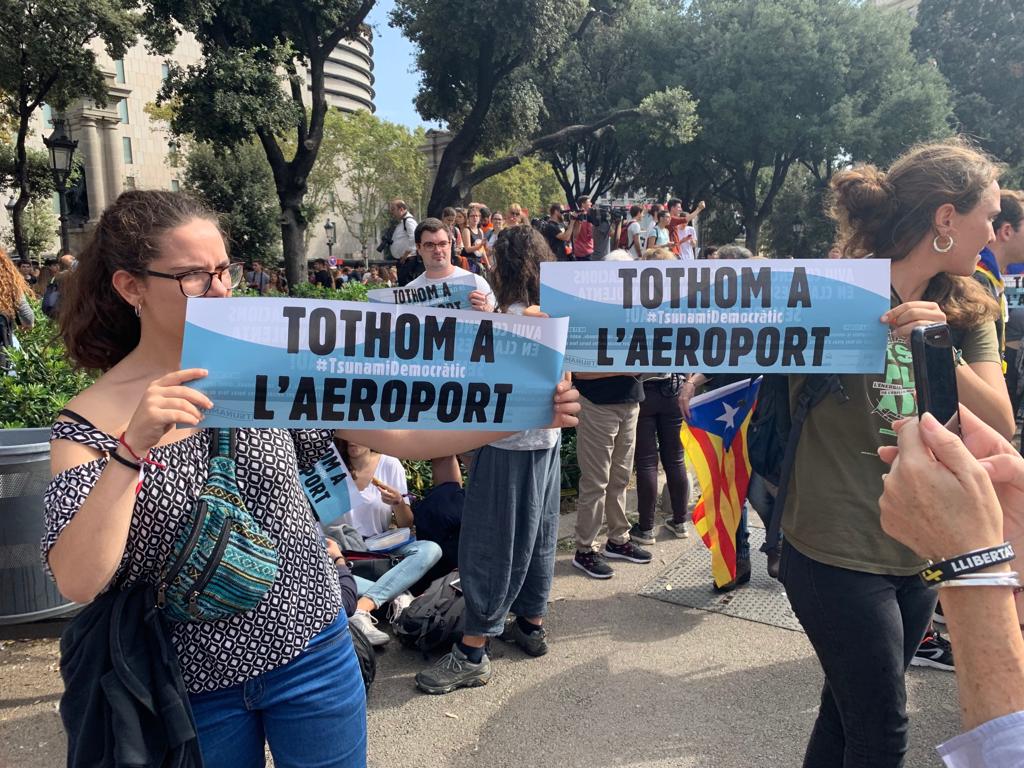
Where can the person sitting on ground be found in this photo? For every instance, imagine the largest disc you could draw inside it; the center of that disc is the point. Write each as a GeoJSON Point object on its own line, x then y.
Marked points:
{"type": "Point", "coordinates": [379, 494]}
{"type": "Point", "coordinates": [944, 496]}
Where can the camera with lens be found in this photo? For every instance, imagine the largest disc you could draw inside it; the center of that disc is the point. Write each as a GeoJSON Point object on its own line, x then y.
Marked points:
{"type": "Point", "coordinates": [385, 241]}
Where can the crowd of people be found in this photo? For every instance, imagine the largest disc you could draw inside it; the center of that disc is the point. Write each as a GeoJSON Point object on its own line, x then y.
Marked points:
{"type": "Point", "coordinates": [130, 458]}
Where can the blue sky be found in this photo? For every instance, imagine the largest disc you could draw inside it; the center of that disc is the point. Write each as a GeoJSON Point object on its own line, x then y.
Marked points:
{"type": "Point", "coordinates": [396, 82]}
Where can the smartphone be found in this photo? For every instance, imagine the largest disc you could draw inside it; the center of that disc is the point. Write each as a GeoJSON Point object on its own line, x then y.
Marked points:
{"type": "Point", "coordinates": [935, 374]}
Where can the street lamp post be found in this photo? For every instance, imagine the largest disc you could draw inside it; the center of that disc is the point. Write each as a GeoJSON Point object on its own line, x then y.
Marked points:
{"type": "Point", "coordinates": [331, 230]}
{"type": "Point", "coordinates": [798, 233]}
{"type": "Point", "coordinates": [62, 151]}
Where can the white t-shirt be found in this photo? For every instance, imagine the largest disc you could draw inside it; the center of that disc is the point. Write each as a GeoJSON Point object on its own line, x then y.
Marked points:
{"type": "Point", "coordinates": [370, 515]}
{"type": "Point", "coordinates": [686, 250]}
{"type": "Point", "coordinates": [633, 232]}
{"type": "Point", "coordinates": [403, 239]}
{"type": "Point", "coordinates": [481, 285]}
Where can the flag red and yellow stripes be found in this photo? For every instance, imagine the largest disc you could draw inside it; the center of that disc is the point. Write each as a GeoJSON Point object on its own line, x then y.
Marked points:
{"type": "Point", "coordinates": [723, 472]}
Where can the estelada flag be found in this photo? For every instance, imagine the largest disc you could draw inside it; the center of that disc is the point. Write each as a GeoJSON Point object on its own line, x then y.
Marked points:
{"type": "Point", "coordinates": [715, 440]}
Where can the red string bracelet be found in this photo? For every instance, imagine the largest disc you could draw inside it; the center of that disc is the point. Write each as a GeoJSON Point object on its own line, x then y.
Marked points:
{"type": "Point", "coordinates": [142, 461]}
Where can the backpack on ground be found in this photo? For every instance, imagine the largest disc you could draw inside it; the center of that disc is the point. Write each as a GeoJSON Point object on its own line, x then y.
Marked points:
{"type": "Point", "coordinates": [365, 654]}
{"type": "Point", "coordinates": [435, 619]}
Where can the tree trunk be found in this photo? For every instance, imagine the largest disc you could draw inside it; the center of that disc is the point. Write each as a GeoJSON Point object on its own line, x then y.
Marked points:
{"type": "Point", "coordinates": [21, 185]}
{"type": "Point", "coordinates": [752, 224]}
{"type": "Point", "coordinates": [293, 243]}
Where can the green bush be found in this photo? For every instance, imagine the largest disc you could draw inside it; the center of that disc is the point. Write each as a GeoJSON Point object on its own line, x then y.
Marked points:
{"type": "Point", "coordinates": [40, 380]}
{"type": "Point", "coordinates": [570, 466]}
{"type": "Point", "coordinates": [348, 292]}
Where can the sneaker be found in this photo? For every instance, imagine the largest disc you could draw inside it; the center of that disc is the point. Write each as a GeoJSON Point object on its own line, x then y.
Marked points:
{"type": "Point", "coordinates": [365, 623]}
{"type": "Point", "coordinates": [677, 529]}
{"type": "Point", "coordinates": [742, 577]}
{"type": "Point", "coordinates": [452, 671]}
{"type": "Point", "coordinates": [641, 536]}
{"type": "Point", "coordinates": [593, 564]}
{"type": "Point", "coordinates": [627, 551]}
{"type": "Point", "coordinates": [398, 605]}
{"type": "Point", "coordinates": [938, 617]}
{"type": "Point", "coordinates": [934, 651]}
{"type": "Point", "coordinates": [534, 643]}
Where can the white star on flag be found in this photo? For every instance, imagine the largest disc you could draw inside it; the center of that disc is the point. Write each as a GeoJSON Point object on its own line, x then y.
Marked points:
{"type": "Point", "coordinates": [729, 417]}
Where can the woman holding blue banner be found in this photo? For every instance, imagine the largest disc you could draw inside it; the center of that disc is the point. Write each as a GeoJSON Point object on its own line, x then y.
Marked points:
{"type": "Point", "coordinates": [136, 481]}
{"type": "Point", "coordinates": [856, 590]}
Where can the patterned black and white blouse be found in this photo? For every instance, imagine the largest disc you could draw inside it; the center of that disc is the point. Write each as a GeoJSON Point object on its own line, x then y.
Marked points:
{"type": "Point", "coordinates": [303, 600]}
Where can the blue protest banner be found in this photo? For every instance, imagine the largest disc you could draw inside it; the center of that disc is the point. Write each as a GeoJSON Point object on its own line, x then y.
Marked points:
{"type": "Point", "coordinates": [1014, 291]}
{"type": "Point", "coordinates": [326, 487]}
{"type": "Point", "coordinates": [757, 316]}
{"type": "Point", "coordinates": [276, 362]}
{"type": "Point", "coordinates": [452, 293]}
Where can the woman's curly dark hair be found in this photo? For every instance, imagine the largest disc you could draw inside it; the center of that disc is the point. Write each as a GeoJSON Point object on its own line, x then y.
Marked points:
{"type": "Point", "coordinates": [515, 274]}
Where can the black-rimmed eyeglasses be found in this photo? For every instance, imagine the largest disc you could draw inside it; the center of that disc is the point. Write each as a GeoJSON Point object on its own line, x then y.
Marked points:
{"type": "Point", "coordinates": [196, 282]}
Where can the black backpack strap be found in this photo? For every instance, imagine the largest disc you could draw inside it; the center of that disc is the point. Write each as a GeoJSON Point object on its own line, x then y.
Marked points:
{"type": "Point", "coordinates": [815, 389]}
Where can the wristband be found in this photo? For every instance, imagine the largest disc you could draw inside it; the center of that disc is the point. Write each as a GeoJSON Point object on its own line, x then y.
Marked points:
{"type": "Point", "coordinates": [967, 563]}
{"type": "Point", "coordinates": [135, 467]}
{"type": "Point", "coordinates": [984, 580]}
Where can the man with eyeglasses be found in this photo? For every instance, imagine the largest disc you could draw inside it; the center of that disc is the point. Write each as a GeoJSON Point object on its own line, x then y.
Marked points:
{"type": "Point", "coordinates": [433, 245]}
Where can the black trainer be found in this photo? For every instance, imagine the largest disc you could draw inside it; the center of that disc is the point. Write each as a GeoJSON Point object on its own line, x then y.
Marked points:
{"type": "Point", "coordinates": [593, 564]}
{"type": "Point", "coordinates": [534, 642]}
{"type": "Point", "coordinates": [627, 551]}
{"type": "Point", "coordinates": [934, 651]}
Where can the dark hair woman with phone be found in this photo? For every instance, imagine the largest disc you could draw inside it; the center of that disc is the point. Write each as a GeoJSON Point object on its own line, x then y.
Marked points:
{"type": "Point", "coordinates": [855, 589]}
{"type": "Point", "coordinates": [129, 462]}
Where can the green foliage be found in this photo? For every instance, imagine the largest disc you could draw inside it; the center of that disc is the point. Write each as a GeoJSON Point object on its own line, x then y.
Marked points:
{"type": "Point", "coordinates": [40, 177]}
{"type": "Point", "coordinates": [532, 184]}
{"type": "Point", "coordinates": [39, 229]}
{"type": "Point", "coordinates": [978, 47]}
{"type": "Point", "coordinates": [350, 291]}
{"type": "Point", "coordinates": [42, 382]}
{"type": "Point", "coordinates": [237, 182]}
{"type": "Point", "coordinates": [420, 477]}
{"type": "Point", "coordinates": [364, 162]}
{"type": "Point", "coordinates": [802, 198]}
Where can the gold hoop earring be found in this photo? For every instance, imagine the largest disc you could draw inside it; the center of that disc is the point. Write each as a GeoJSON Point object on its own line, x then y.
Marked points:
{"type": "Point", "coordinates": [945, 249]}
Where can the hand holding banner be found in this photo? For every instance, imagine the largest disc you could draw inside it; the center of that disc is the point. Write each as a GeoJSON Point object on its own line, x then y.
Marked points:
{"type": "Point", "coordinates": [781, 316]}
{"type": "Point", "coordinates": [305, 363]}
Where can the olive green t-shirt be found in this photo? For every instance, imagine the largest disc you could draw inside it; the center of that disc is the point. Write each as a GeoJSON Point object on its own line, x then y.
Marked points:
{"type": "Point", "coordinates": [831, 512]}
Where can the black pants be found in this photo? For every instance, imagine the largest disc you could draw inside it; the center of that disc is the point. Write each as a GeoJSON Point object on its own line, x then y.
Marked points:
{"type": "Point", "coordinates": [657, 434]}
{"type": "Point", "coordinates": [865, 630]}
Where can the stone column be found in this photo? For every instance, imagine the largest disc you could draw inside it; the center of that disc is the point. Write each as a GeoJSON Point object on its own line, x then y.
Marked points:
{"type": "Point", "coordinates": [95, 174]}
{"type": "Point", "coordinates": [114, 153]}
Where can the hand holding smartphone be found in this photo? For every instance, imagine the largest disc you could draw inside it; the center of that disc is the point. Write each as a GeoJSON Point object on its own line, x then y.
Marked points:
{"type": "Point", "coordinates": [935, 374]}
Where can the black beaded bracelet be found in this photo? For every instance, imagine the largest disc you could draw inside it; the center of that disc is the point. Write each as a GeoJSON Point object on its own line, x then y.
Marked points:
{"type": "Point", "coordinates": [126, 462]}
{"type": "Point", "coordinates": [969, 562]}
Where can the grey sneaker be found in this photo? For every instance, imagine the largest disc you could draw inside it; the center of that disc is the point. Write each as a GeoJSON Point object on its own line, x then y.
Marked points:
{"type": "Point", "coordinates": [454, 670]}
{"type": "Point", "coordinates": [641, 536]}
{"type": "Point", "coordinates": [534, 643]}
{"type": "Point", "coordinates": [677, 529]}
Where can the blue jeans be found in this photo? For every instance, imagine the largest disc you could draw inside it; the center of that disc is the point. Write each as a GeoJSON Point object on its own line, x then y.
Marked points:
{"type": "Point", "coordinates": [418, 557]}
{"type": "Point", "coordinates": [311, 711]}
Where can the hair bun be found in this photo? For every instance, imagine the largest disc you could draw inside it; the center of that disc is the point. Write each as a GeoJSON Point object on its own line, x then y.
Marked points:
{"type": "Point", "coordinates": [864, 203]}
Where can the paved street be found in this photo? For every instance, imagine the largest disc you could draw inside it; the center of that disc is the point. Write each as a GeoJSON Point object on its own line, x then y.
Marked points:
{"type": "Point", "coordinates": [629, 681]}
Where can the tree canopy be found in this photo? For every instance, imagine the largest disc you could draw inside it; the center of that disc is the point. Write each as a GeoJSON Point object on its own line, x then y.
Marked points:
{"type": "Point", "coordinates": [236, 182]}
{"type": "Point", "coordinates": [979, 48]}
{"type": "Point", "coordinates": [234, 93]}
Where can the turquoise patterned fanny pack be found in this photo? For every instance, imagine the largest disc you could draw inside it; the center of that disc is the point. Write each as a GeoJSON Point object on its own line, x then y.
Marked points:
{"type": "Point", "coordinates": [223, 563]}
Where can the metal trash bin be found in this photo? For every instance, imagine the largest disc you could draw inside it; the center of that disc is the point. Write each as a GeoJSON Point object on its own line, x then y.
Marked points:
{"type": "Point", "coordinates": [26, 592]}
